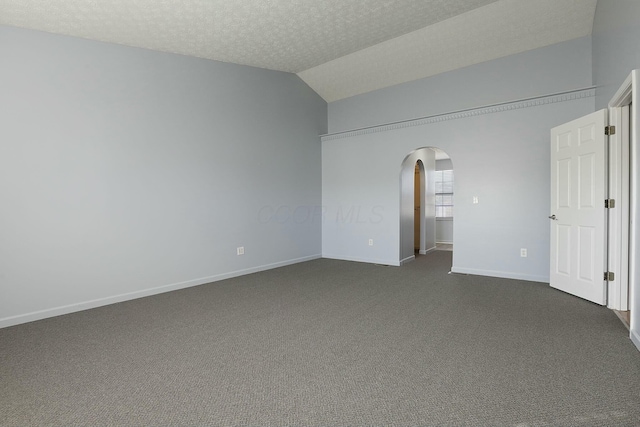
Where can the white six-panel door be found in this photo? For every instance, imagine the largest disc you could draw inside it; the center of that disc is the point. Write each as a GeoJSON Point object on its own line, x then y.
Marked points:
{"type": "Point", "coordinates": [578, 215]}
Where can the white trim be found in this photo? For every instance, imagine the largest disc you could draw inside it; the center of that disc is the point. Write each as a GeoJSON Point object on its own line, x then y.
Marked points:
{"type": "Point", "coordinates": [634, 155]}
{"type": "Point", "coordinates": [86, 305]}
{"type": "Point", "coordinates": [424, 252]}
{"type": "Point", "coordinates": [407, 260]}
{"type": "Point", "coordinates": [422, 235]}
{"type": "Point", "coordinates": [618, 232]}
{"type": "Point", "coordinates": [501, 274]}
{"type": "Point", "coordinates": [369, 260]}
{"type": "Point", "coordinates": [628, 94]}
{"type": "Point", "coordinates": [624, 94]}
{"type": "Point", "coordinates": [635, 338]}
{"type": "Point", "coordinates": [572, 95]}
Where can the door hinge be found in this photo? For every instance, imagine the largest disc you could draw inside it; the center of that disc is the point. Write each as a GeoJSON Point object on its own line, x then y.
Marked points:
{"type": "Point", "coordinates": [609, 203]}
{"type": "Point", "coordinates": [609, 276]}
{"type": "Point", "coordinates": [609, 130]}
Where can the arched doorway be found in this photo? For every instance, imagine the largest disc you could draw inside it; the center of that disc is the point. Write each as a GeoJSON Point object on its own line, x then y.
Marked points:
{"type": "Point", "coordinates": [426, 220]}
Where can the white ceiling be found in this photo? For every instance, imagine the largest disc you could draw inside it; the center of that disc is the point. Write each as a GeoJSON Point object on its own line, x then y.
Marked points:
{"type": "Point", "coordinates": [340, 48]}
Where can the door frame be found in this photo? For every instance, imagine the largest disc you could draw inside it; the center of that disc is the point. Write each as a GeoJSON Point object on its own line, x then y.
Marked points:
{"type": "Point", "coordinates": [623, 183]}
{"type": "Point", "coordinates": [619, 180]}
{"type": "Point", "coordinates": [422, 220]}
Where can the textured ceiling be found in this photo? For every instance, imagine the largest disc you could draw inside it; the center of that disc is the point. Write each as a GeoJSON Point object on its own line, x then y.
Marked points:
{"type": "Point", "coordinates": [499, 29]}
{"type": "Point", "coordinates": [339, 47]}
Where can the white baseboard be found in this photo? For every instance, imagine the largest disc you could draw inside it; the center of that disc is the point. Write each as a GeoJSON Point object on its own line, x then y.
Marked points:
{"type": "Point", "coordinates": [367, 260]}
{"type": "Point", "coordinates": [407, 260]}
{"type": "Point", "coordinates": [635, 338]}
{"type": "Point", "coordinates": [501, 274]}
{"type": "Point", "coordinates": [424, 252]}
{"type": "Point", "coordinates": [86, 305]}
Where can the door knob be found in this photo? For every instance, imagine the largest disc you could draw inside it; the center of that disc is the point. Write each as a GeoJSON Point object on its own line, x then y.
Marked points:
{"type": "Point", "coordinates": [553, 217]}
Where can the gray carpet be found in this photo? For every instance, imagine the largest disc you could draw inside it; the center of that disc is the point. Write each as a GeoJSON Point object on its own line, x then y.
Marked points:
{"type": "Point", "coordinates": [328, 343]}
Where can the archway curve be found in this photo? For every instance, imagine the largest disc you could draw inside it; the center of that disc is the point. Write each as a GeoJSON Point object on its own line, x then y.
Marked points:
{"type": "Point", "coordinates": [426, 158]}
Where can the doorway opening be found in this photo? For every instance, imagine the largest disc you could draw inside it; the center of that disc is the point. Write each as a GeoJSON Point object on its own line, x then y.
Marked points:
{"type": "Point", "coordinates": [624, 164]}
{"type": "Point", "coordinates": [618, 232]}
{"type": "Point", "coordinates": [426, 203]}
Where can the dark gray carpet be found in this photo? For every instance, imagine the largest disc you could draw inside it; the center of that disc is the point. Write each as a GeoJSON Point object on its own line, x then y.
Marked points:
{"type": "Point", "coordinates": [328, 343]}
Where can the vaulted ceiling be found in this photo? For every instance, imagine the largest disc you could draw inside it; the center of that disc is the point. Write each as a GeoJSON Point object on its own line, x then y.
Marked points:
{"type": "Point", "coordinates": [340, 48]}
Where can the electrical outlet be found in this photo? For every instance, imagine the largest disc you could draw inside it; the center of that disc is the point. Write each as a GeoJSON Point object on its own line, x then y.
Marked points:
{"type": "Point", "coordinates": [240, 250]}
{"type": "Point", "coordinates": [523, 252]}
{"type": "Point", "coordinates": [370, 242]}
{"type": "Point", "coordinates": [475, 200]}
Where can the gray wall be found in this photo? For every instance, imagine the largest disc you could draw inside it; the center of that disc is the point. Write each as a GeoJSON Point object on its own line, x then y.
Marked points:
{"type": "Point", "coordinates": [126, 172]}
{"type": "Point", "coordinates": [444, 230]}
{"type": "Point", "coordinates": [616, 46]}
{"type": "Point", "coordinates": [616, 52]}
{"type": "Point", "coordinates": [444, 164]}
{"type": "Point", "coordinates": [501, 156]}
{"type": "Point", "coordinates": [542, 71]}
